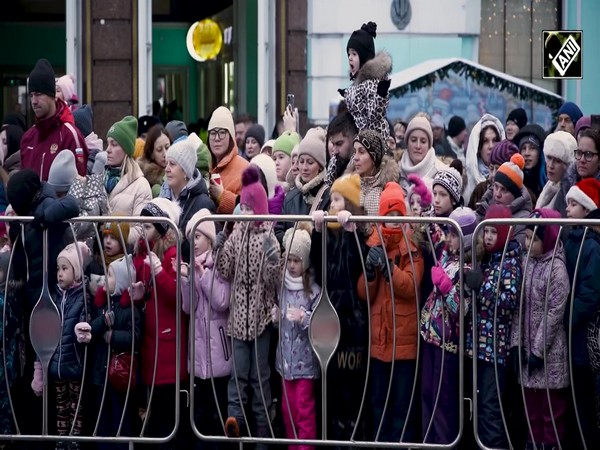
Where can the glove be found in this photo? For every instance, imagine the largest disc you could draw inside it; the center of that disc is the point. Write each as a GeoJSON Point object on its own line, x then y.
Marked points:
{"type": "Point", "coordinates": [109, 318]}
{"type": "Point", "coordinates": [474, 279]}
{"type": "Point", "coordinates": [220, 240]}
{"type": "Point", "coordinates": [38, 379]}
{"type": "Point", "coordinates": [137, 291]}
{"type": "Point", "coordinates": [270, 250]}
{"type": "Point", "coordinates": [82, 332]}
{"type": "Point", "coordinates": [374, 258]}
{"type": "Point", "coordinates": [99, 163]}
{"type": "Point", "coordinates": [534, 363]}
{"type": "Point", "coordinates": [343, 217]}
{"type": "Point", "coordinates": [154, 263]}
{"type": "Point", "coordinates": [275, 314]}
{"type": "Point", "coordinates": [441, 280]}
{"type": "Point", "coordinates": [382, 87]}
{"type": "Point", "coordinates": [38, 220]}
{"type": "Point", "coordinates": [318, 218]}
{"type": "Point", "coordinates": [294, 314]}
{"type": "Point", "coordinates": [342, 92]}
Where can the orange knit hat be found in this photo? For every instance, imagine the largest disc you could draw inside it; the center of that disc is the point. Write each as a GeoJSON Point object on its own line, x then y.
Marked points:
{"type": "Point", "coordinates": [392, 199]}
{"type": "Point", "coordinates": [510, 174]}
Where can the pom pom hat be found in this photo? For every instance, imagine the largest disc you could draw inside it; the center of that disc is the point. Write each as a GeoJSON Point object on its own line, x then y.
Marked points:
{"type": "Point", "coordinates": [253, 193]}
{"type": "Point", "coordinates": [510, 175]}
{"type": "Point", "coordinates": [419, 187]}
{"type": "Point", "coordinates": [297, 243]}
{"type": "Point", "coordinates": [586, 193]}
{"type": "Point", "coordinates": [362, 41]}
{"type": "Point", "coordinates": [450, 180]}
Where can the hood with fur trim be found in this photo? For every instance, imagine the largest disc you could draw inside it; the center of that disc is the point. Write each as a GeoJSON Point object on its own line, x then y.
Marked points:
{"type": "Point", "coordinates": [377, 68]}
{"type": "Point", "coordinates": [152, 171]}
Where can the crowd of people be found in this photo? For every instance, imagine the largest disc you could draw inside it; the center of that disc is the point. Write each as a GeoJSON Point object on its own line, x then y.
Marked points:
{"type": "Point", "coordinates": [248, 289]}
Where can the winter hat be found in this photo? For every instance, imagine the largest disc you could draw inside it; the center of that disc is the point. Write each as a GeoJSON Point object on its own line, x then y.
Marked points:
{"type": "Point", "coordinates": [571, 110]}
{"type": "Point", "coordinates": [373, 143]}
{"type": "Point", "coordinates": [499, 212]}
{"type": "Point", "coordinates": [17, 119]}
{"type": "Point", "coordinates": [510, 174]}
{"type": "Point", "coordinates": [253, 193]}
{"type": "Point", "coordinates": [313, 145]}
{"type": "Point", "coordinates": [286, 143]}
{"type": "Point", "coordinates": [586, 193]}
{"type": "Point", "coordinates": [124, 132]}
{"type": "Point", "coordinates": [176, 129]}
{"type": "Point", "coordinates": [222, 118]}
{"type": "Point", "coordinates": [124, 272]}
{"type": "Point", "coordinates": [548, 234]}
{"type": "Point", "coordinates": [456, 125]}
{"type": "Point", "coordinates": [144, 124]}
{"type": "Point", "coordinates": [349, 188]}
{"type": "Point", "coordinates": [419, 123]}
{"type": "Point", "coordinates": [184, 153]}
{"type": "Point", "coordinates": [206, 227]}
{"type": "Point", "coordinates": [204, 159]}
{"type": "Point", "coordinates": [22, 189]}
{"type": "Point", "coordinates": [502, 152]}
{"type": "Point", "coordinates": [267, 166]}
{"type": "Point", "coordinates": [116, 230]}
{"type": "Point", "coordinates": [257, 132]}
{"type": "Point", "coordinates": [66, 83]}
{"type": "Point", "coordinates": [42, 78]}
{"type": "Point", "coordinates": [63, 171]}
{"type": "Point", "coordinates": [268, 144]}
{"type": "Point", "coordinates": [74, 256]}
{"type": "Point", "coordinates": [518, 116]}
{"type": "Point", "coordinates": [419, 187]}
{"type": "Point", "coordinates": [392, 199]}
{"type": "Point", "coordinates": [362, 41]}
{"type": "Point", "coordinates": [561, 145]}
{"type": "Point", "coordinates": [162, 207]}
{"type": "Point", "coordinates": [297, 242]}
{"type": "Point", "coordinates": [583, 123]}
{"type": "Point", "coordinates": [437, 121]}
{"type": "Point", "coordinates": [532, 134]}
{"type": "Point", "coordinates": [451, 180]}
{"type": "Point", "coordinates": [84, 117]}
{"type": "Point", "coordinates": [467, 221]}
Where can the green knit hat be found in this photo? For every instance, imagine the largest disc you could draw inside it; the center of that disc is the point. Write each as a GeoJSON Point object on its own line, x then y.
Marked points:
{"type": "Point", "coordinates": [203, 164]}
{"type": "Point", "coordinates": [125, 132]}
{"type": "Point", "coordinates": [286, 143]}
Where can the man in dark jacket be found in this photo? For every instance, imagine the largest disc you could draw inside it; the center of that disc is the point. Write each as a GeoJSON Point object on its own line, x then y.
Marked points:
{"type": "Point", "coordinates": [54, 129]}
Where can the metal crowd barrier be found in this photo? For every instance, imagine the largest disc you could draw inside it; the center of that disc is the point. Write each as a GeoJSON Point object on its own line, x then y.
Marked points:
{"type": "Point", "coordinates": [325, 335]}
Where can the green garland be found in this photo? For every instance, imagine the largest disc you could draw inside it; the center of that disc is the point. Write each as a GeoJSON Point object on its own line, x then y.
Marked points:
{"type": "Point", "coordinates": [481, 77]}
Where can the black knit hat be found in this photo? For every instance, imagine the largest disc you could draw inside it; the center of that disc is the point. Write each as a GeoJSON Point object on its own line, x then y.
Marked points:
{"type": "Point", "coordinates": [22, 189]}
{"type": "Point", "coordinates": [518, 116]}
{"type": "Point", "coordinates": [42, 78]}
{"type": "Point", "coordinates": [456, 125]}
{"type": "Point", "coordinates": [145, 123]}
{"type": "Point", "coordinates": [362, 41]}
{"type": "Point", "coordinates": [84, 117]}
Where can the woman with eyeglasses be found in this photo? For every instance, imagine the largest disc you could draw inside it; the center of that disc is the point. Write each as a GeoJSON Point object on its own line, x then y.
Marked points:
{"type": "Point", "coordinates": [226, 161]}
{"type": "Point", "coordinates": [586, 165]}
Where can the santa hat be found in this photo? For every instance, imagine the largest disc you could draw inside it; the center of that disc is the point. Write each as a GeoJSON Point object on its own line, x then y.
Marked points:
{"type": "Point", "coordinates": [560, 145]}
{"type": "Point", "coordinates": [206, 227]}
{"type": "Point", "coordinates": [162, 207]}
{"type": "Point", "coordinates": [586, 193]}
{"type": "Point", "coordinates": [392, 199]}
{"type": "Point", "coordinates": [79, 256]}
{"type": "Point", "coordinates": [499, 212]}
{"type": "Point", "coordinates": [253, 193]}
{"type": "Point", "coordinates": [510, 174]}
{"type": "Point", "coordinates": [297, 243]}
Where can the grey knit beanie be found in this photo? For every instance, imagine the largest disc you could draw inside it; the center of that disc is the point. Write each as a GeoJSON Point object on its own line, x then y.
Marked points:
{"type": "Point", "coordinates": [63, 171]}
{"type": "Point", "coordinates": [183, 152]}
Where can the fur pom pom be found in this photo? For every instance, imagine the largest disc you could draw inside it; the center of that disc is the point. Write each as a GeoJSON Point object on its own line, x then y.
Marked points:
{"type": "Point", "coordinates": [458, 165]}
{"type": "Point", "coordinates": [250, 175]}
{"type": "Point", "coordinates": [370, 28]}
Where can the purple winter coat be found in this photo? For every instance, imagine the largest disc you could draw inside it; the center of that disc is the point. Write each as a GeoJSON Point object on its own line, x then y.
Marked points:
{"type": "Point", "coordinates": [220, 345]}
{"type": "Point", "coordinates": [540, 272]}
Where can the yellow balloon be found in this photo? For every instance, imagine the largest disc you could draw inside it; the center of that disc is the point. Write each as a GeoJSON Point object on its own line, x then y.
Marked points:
{"type": "Point", "coordinates": [207, 39]}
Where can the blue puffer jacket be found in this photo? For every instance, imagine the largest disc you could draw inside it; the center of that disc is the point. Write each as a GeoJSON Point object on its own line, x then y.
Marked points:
{"type": "Point", "coordinates": [67, 361]}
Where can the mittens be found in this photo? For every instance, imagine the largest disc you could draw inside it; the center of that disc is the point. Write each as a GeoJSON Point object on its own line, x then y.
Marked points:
{"type": "Point", "coordinates": [343, 217]}
{"type": "Point", "coordinates": [318, 219]}
{"type": "Point", "coordinates": [109, 318]}
{"type": "Point", "coordinates": [342, 92]}
{"type": "Point", "coordinates": [441, 280]}
{"type": "Point", "coordinates": [375, 259]}
{"type": "Point", "coordinates": [99, 163]}
{"type": "Point", "coordinates": [220, 240]}
{"type": "Point", "coordinates": [474, 279]}
{"type": "Point", "coordinates": [83, 332]}
{"type": "Point", "coordinates": [270, 250]}
{"type": "Point", "coordinates": [382, 87]}
{"type": "Point", "coordinates": [38, 379]}
{"type": "Point", "coordinates": [137, 291]}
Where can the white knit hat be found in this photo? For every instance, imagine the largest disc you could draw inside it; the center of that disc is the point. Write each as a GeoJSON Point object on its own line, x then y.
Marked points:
{"type": "Point", "coordinates": [79, 259]}
{"type": "Point", "coordinates": [299, 246]}
{"type": "Point", "coordinates": [184, 153]}
{"type": "Point", "coordinates": [268, 144]}
{"type": "Point", "coordinates": [419, 123]}
{"type": "Point", "coordinates": [162, 207]}
{"type": "Point", "coordinates": [206, 227]}
{"type": "Point", "coordinates": [222, 118]}
{"type": "Point", "coordinates": [313, 145]}
{"type": "Point", "coordinates": [266, 164]}
{"type": "Point", "coordinates": [560, 145]}
{"type": "Point", "coordinates": [124, 275]}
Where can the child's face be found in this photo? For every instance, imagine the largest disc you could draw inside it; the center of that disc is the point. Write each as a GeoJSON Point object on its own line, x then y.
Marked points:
{"type": "Point", "coordinates": [393, 225]}
{"type": "Point", "coordinates": [150, 232]}
{"type": "Point", "coordinates": [337, 203]}
{"type": "Point", "coordinates": [575, 210]}
{"type": "Point", "coordinates": [453, 242]}
{"type": "Point", "coordinates": [490, 237]}
{"type": "Point", "coordinates": [502, 196]}
{"type": "Point", "coordinates": [442, 203]}
{"type": "Point", "coordinates": [201, 243]}
{"type": "Point", "coordinates": [65, 273]}
{"type": "Point", "coordinates": [112, 246]}
{"type": "Point", "coordinates": [533, 244]}
{"type": "Point", "coordinates": [415, 205]}
{"type": "Point", "coordinates": [111, 281]}
{"type": "Point", "coordinates": [294, 266]}
{"type": "Point", "coordinates": [353, 61]}
{"type": "Point", "coordinates": [246, 210]}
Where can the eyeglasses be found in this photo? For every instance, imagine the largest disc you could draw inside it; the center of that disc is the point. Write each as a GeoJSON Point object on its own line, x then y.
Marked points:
{"type": "Point", "coordinates": [221, 132]}
{"type": "Point", "coordinates": [588, 156]}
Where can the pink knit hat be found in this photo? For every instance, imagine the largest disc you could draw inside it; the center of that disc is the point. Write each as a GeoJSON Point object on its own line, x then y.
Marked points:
{"type": "Point", "coordinates": [419, 187]}
{"type": "Point", "coordinates": [67, 86]}
{"type": "Point", "coordinates": [253, 193]}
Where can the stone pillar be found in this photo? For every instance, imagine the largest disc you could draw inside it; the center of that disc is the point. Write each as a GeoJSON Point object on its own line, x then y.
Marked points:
{"type": "Point", "coordinates": [110, 60]}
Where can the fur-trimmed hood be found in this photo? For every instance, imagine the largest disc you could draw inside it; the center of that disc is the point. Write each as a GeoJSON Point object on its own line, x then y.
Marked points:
{"type": "Point", "coordinates": [152, 171]}
{"type": "Point", "coordinates": [377, 68]}
{"type": "Point", "coordinates": [388, 171]}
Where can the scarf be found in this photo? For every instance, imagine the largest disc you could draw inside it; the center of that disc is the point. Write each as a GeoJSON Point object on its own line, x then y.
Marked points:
{"type": "Point", "coordinates": [293, 283]}
{"type": "Point", "coordinates": [112, 176]}
{"type": "Point", "coordinates": [425, 169]}
{"type": "Point", "coordinates": [370, 192]}
{"type": "Point", "coordinates": [547, 197]}
{"type": "Point", "coordinates": [110, 259]}
{"type": "Point", "coordinates": [306, 188]}
{"type": "Point", "coordinates": [483, 169]}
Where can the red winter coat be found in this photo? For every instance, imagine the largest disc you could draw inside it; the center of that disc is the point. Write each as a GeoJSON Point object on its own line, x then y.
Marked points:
{"type": "Point", "coordinates": [163, 308]}
{"type": "Point", "coordinates": [44, 140]}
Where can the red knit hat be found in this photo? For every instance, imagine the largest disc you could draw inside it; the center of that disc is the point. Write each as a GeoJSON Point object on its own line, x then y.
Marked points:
{"type": "Point", "coordinates": [392, 199]}
{"type": "Point", "coordinates": [586, 193]}
{"type": "Point", "coordinates": [499, 212]}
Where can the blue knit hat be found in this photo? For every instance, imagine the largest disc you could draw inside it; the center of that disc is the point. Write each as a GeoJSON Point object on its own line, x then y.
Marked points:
{"type": "Point", "coordinates": [571, 110]}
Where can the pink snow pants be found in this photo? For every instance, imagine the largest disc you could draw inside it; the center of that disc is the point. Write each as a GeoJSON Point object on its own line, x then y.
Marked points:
{"type": "Point", "coordinates": [301, 398]}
